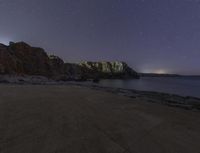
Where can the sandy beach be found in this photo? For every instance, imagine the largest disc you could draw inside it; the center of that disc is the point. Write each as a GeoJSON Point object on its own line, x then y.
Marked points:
{"type": "Point", "coordinates": [75, 119]}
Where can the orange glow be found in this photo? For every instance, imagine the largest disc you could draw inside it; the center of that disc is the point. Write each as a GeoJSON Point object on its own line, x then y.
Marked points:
{"type": "Point", "coordinates": [160, 71]}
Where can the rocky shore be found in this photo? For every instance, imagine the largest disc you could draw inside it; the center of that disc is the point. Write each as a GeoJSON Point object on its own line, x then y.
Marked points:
{"type": "Point", "coordinates": [21, 59]}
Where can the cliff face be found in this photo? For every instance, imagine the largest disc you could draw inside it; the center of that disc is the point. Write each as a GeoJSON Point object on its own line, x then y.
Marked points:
{"type": "Point", "coordinates": [56, 64]}
{"type": "Point", "coordinates": [34, 61]}
{"type": "Point", "coordinates": [9, 63]}
{"type": "Point", "coordinates": [74, 71]}
{"type": "Point", "coordinates": [108, 70]}
{"type": "Point", "coordinates": [20, 58]}
{"type": "Point", "coordinates": [99, 70]}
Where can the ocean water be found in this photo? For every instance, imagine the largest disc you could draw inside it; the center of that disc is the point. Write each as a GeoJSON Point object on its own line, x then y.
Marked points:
{"type": "Point", "coordinates": [184, 86]}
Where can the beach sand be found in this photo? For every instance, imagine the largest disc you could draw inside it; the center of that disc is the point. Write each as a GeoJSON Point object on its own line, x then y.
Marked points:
{"type": "Point", "coordinates": [74, 119]}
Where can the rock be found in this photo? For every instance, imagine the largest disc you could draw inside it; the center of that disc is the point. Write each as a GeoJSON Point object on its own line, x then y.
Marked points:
{"type": "Point", "coordinates": [75, 72]}
{"type": "Point", "coordinates": [57, 65]}
{"type": "Point", "coordinates": [99, 70]}
{"type": "Point", "coordinates": [108, 70]}
{"type": "Point", "coordinates": [34, 60]}
{"type": "Point", "coordinates": [9, 64]}
{"type": "Point", "coordinates": [22, 59]}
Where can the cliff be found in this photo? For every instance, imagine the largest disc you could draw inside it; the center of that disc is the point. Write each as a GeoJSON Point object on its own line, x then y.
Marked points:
{"type": "Point", "coordinates": [23, 59]}
{"type": "Point", "coordinates": [20, 58]}
{"type": "Point", "coordinates": [108, 70]}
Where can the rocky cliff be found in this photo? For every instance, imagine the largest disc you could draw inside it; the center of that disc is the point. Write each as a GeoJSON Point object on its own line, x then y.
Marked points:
{"type": "Point", "coordinates": [33, 60]}
{"type": "Point", "coordinates": [108, 70]}
{"type": "Point", "coordinates": [22, 59]}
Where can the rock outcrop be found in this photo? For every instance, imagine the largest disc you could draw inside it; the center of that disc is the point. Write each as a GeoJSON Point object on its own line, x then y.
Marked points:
{"type": "Point", "coordinates": [108, 70]}
{"type": "Point", "coordinates": [9, 64]}
{"type": "Point", "coordinates": [33, 60]}
{"type": "Point", "coordinates": [74, 71]}
{"type": "Point", "coordinates": [99, 70]}
{"type": "Point", "coordinates": [22, 59]}
{"type": "Point", "coordinates": [57, 65]}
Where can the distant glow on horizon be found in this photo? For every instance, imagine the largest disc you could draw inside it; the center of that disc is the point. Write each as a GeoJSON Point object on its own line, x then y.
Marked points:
{"type": "Point", "coordinates": [157, 71]}
{"type": "Point", "coordinates": [160, 71]}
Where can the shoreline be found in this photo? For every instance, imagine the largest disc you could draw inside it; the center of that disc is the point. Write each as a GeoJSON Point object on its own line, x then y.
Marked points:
{"type": "Point", "coordinates": [172, 100]}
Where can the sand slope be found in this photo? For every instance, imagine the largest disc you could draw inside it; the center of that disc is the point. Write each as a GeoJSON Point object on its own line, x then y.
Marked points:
{"type": "Point", "coordinates": [70, 119]}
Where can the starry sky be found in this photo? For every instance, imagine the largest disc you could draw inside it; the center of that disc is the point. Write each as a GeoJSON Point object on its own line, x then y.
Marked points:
{"type": "Point", "coordinates": [159, 36]}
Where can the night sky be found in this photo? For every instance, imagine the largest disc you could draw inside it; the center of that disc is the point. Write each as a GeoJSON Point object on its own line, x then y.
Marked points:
{"type": "Point", "coordinates": [161, 36]}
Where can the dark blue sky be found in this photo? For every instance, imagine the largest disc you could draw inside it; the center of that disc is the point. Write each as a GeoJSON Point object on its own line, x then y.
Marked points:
{"type": "Point", "coordinates": [150, 35]}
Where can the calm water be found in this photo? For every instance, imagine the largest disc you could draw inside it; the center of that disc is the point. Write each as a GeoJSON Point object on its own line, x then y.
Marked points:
{"type": "Point", "coordinates": [185, 86]}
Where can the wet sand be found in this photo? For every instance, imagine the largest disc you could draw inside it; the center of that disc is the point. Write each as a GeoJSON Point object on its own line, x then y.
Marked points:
{"type": "Point", "coordinates": [75, 119]}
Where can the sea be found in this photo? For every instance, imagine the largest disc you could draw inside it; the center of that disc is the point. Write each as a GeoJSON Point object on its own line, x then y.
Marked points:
{"type": "Point", "coordinates": [183, 86]}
